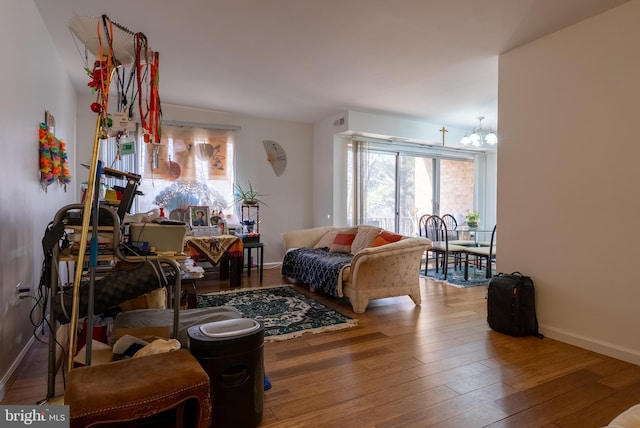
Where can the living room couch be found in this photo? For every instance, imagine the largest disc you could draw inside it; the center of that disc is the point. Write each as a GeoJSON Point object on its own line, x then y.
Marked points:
{"type": "Point", "coordinates": [376, 264]}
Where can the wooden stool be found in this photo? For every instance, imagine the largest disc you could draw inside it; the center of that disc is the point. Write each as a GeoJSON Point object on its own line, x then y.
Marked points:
{"type": "Point", "coordinates": [140, 388]}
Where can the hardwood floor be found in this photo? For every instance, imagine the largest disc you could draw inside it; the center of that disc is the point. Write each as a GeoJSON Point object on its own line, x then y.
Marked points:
{"type": "Point", "coordinates": [434, 365]}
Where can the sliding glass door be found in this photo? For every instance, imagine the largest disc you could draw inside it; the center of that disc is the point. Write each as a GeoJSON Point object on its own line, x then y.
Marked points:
{"type": "Point", "coordinates": [392, 189]}
{"type": "Point", "coordinates": [456, 188]}
{"type": "Point", "coordinates": [379, 190]}
{"type": "Point", "coordinates": [416, 194]}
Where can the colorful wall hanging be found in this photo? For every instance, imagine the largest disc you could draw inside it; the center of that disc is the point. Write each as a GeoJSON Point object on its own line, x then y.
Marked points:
{"type": "Point", "coordinates": [54, 163]}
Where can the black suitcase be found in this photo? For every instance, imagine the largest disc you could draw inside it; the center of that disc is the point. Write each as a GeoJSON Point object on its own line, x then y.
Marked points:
{"type": "Point", "coordinates": [511, 306]}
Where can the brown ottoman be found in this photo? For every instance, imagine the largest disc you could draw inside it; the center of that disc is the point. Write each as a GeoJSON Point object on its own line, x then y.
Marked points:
{"type": "Point", "coordinates": [140, 388]}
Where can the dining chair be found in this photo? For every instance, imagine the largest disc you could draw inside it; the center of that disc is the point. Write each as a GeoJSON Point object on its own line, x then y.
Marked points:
{"type": "Point", "coordinates": [422, 232]}
{"type": "Point", "coordinates": [480, 254]}
{"type": "Point", "coordinates": [453, 232]}
{"type": "Point", "coordinates": [435, 229]}
{"type": "Point", "coordinates": [452, 226]}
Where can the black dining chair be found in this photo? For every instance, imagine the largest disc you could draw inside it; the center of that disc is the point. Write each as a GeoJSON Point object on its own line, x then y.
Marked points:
{"type": "Point", "coordinates": [452, 226]}
{"type": "Point", "coordinates": [480, 254]}
{"type": "Point", "coordinates": [422, 232]}
{"type": "Point", "coordinates": [435, 229]}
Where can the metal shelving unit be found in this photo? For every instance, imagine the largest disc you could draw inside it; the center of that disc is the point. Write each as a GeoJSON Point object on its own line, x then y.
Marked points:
{"type": "Point", "coordinates": [108, 222]}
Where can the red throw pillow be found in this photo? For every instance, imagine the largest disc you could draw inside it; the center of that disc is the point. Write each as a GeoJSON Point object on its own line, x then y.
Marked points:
{"type": "Point", "coordinates": [343, 240]}
{"type": "Point", "coordinates": [385, 238]}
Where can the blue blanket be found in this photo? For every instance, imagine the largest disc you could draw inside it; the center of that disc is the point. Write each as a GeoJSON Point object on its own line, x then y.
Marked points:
{"type": "Point", "coordinates": [317, 267]}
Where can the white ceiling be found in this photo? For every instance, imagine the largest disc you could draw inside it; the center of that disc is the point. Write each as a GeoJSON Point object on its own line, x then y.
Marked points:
{"type": "Point", "coordinates": [305, 60]}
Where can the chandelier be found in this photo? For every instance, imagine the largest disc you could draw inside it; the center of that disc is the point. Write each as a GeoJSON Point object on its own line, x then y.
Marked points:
{"type": "Point", "coordinates": [480, 136]}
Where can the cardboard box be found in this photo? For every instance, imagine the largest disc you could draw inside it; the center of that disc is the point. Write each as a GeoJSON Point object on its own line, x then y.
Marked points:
{"type": "Point", "coordinates": [162, 237]}
{"type": "Point", "coordinates": [163, 332]}
{"type": "Point", "coordinates": [100, 354]}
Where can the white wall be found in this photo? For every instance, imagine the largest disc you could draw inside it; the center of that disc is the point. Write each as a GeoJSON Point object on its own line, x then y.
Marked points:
{"type": "Point", "coordinates": [32, 80]}
{"type": "Point", "coordinates": [567, 179]}
{"type": "Point", "coordinates": [323, 172]}
{"type": "Point", "coordinates": [402, 127]}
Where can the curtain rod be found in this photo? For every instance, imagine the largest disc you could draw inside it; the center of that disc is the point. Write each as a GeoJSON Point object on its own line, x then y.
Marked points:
{"type": "Point", "coordinates": [421, 148]}
{"type": "Point", "coordinates": [213, 126]}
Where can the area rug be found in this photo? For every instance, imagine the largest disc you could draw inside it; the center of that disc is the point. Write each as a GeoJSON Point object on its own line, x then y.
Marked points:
{"type": "Point", "coordinates": [284, 312]}
{"type": "Point", "coordinates": [455, 277]}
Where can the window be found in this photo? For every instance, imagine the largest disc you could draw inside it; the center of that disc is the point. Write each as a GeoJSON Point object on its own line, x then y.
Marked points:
{"type": "Point", "coordinates": [191, 166]}
{"type": "Point", "coordinates": [392, 185]}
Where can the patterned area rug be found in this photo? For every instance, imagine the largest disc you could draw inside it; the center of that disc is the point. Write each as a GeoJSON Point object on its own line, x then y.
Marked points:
{"type": "Point", "coordinates": [285, 312]}
{"type": "Point", "coordinates": [455, 277]}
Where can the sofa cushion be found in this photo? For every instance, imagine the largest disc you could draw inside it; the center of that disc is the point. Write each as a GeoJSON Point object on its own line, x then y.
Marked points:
{"type": "Point", "coordinates": [385, 237]}
{"type": "Point", "coordinates": [327, 239]}
{"type": "Point", "coordinates": [343, 240]}
{"type": "Point", "coordinates": [365, 236]}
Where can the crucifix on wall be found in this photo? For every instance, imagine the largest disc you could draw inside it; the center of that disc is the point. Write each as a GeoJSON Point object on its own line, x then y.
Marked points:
{"type": "Point", "coordinates": [443, 130]}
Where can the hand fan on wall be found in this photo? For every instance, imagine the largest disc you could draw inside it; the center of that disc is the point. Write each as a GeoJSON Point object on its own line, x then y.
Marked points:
{"type": "Point", "coordinates": [276, 156]}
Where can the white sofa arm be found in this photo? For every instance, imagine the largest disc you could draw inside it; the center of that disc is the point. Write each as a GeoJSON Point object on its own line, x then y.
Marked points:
{"type": "Point", "coordinates": [388, 257]}
{"type": "Point", "coordinates": [304, 237]}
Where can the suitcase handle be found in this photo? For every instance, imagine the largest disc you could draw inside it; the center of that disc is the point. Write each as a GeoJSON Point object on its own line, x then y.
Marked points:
{"type": "Point", "coordinates": [512, 273]}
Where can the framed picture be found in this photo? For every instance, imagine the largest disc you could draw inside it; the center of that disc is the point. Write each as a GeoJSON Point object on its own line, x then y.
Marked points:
{"type": "Point", "coordinates": [50, 121]}
{"type": "Point", "coordinates": [199, 216]}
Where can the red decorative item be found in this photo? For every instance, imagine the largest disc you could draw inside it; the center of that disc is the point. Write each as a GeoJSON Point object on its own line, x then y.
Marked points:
{"type": "Point", "coordinates": [98, 75]}
{"type": "Point", "coordinates": [96, 107]}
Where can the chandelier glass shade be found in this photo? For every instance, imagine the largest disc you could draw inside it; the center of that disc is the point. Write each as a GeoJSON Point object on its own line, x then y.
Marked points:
{"type": "Point", "coordinates": [480, 136]}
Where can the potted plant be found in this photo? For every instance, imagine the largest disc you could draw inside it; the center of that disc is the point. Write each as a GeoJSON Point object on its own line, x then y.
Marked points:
{"type": "Point", "coordinates": [247, 195]}
{"type": "Point", "coordinates": [472, 218]}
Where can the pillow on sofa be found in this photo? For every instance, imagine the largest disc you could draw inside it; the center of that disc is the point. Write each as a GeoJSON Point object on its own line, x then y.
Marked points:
{"type": "Point", "coordinates": [343, 240]}
{"type": "Point", "coordinates": [327, 239]}
{"type": "Point", "coordinates": [365, 236]}
{"type": "Point", "coordinates": [385, 237]}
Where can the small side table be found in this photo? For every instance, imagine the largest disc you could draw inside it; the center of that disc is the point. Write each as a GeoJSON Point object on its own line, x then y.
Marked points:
{"type": "Point", "coordinates": [259, 246]}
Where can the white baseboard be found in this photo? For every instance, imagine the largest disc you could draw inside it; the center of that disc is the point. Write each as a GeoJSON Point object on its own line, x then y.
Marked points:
{"type": "Point", "coordinates": [4, 382]}
{"type": "Point", "coordinates": [272, 265]}
{"type": "Point", "coordinates": [625, 354]}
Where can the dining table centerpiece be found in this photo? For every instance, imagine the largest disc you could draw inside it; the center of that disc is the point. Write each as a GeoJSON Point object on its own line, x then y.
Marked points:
{"type": "Point", "coordinates": [472, 218]}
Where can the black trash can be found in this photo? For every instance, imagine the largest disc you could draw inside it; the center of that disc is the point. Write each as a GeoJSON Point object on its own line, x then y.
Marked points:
{"type": "Point", "coordinates": [232, 354]}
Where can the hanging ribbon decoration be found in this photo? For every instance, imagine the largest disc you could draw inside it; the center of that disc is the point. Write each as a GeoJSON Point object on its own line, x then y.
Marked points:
{"type": "Point", "coordinates": [145, 69]}
{"type": "Point", "coordinates": [141, 42]}
{"type": "Point", "coordinates": [101, 76]}
{"type": "Point", "coordinates": [154, 103]}
{"type": "Point", "coordinates": [148, 64]}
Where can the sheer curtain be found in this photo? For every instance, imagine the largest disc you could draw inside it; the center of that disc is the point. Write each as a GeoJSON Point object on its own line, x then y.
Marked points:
{"type": "Point", "coordinates": [192, 166]}
{"type": "Point", "coordinates": [111, 156]}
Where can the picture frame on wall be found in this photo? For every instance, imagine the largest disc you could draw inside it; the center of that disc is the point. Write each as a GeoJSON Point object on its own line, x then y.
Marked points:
{"type": "Point", "coordinates": [199, 216]}
{"type": "Point", "coordinates": [50, 121]}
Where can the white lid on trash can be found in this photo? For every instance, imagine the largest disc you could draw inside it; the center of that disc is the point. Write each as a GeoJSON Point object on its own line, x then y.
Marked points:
{"type": "Point", "coordinates": [230, 328]}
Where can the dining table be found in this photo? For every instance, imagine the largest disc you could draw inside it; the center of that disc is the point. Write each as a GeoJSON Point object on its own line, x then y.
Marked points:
{"type": "Point", "coordinates": [478, 235]}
